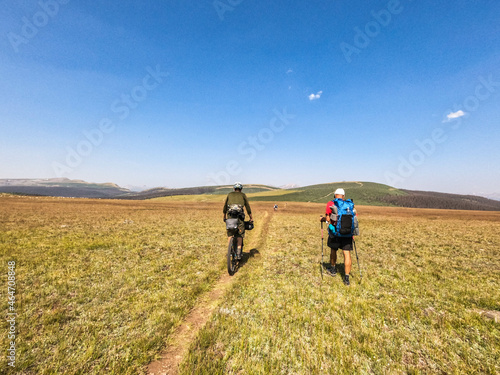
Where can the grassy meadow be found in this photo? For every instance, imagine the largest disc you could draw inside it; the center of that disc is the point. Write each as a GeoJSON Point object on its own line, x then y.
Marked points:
{"type": "Point", "coordinates": [102, 285]}
{"type": "Point", "coordinates": [426, 274]}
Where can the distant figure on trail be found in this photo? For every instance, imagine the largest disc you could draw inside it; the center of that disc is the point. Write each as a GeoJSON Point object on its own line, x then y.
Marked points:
{"type": "Point", "coordinates": [275, 207]}
{"type": "Point", "coordinates": [234, 206]}
{"type": "Point", "coordinates": [341, 216]}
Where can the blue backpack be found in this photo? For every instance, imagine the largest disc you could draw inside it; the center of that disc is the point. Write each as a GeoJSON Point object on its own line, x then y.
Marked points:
{"type": "Point", "coordinates": [345, 218]}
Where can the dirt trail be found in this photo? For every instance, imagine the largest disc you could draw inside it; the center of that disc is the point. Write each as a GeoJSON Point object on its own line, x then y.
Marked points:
{"type": "Point", "coordinates": [321, 198]}
{"type": "Point", "coordinates": [196, 319]}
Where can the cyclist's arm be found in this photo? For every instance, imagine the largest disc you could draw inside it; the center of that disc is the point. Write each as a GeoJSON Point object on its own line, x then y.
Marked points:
{"type": "Point", "coordinates": [247, 206]}
{"type": "Point", "coordinates": [224, 210]}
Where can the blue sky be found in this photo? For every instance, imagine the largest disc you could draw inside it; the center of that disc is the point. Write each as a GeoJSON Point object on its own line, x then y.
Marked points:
{"type": "Point", "coordinates": [188, 93]}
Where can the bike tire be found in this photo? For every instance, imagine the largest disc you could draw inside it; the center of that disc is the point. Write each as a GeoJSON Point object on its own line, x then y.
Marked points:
{"type": "Point", "coordinates": [231, 257]}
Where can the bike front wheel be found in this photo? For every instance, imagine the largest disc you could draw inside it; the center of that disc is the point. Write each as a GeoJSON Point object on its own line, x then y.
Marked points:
{"type": "Point", "coordinates": [231, 257]}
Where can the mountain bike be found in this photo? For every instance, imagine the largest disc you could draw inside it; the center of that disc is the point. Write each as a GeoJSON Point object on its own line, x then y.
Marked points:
{"type": "Point", "coordinates": [232, 261]}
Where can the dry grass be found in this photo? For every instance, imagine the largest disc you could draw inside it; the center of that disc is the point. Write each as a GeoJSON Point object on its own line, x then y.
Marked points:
{"type": "Point", "coordinates": [424, 274]}
{"type": "Point", "coordinates": [102, 285]}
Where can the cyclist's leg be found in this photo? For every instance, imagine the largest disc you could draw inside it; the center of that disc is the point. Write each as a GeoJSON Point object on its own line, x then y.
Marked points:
{"type": "Point", "coordinates": [241, 235]}
{"type": "Point", "coordinates": [239, 241]}
{"type": "Point", "coordinates": [231, 261]}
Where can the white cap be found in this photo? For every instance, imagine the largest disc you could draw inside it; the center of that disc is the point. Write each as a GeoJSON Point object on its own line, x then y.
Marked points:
{"type": "Point", "coordinates": [339, 192]}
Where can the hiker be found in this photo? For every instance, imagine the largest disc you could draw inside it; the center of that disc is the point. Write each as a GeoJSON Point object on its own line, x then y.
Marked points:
{"type": "Point", "coordinates": [233, 206]}
{"type": "Point", "coordinates": [340, 231]}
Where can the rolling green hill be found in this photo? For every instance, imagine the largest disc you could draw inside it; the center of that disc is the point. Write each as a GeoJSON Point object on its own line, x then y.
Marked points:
{"type": "Point", "coordinates": [362, 193]}
{"type": "Point", "coordinates": [365, 193]}
{"type": "Point", "coordinates": [373, 194]}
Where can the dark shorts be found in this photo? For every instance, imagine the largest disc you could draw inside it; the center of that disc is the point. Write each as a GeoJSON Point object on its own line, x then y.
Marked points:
{"type": "Point", "coordinates": [344, 243]}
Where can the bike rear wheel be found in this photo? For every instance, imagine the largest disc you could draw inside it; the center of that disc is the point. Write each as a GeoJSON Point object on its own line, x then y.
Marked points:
{"type": "Point", "coordinates": [231, 257]}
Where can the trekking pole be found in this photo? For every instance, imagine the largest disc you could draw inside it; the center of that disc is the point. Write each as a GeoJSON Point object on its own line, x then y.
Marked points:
{"type": "Point", "coordinates": [356, 252]}
{"type": "Point", "coordinates": [321, 264]}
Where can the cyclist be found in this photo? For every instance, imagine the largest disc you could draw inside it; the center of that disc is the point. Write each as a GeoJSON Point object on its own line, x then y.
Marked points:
{"type": "Point", "coordinates": [234, 204]}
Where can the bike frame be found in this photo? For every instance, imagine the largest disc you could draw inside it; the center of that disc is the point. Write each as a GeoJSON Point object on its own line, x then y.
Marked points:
{"type": "Point", "coordinates": [232, 262]}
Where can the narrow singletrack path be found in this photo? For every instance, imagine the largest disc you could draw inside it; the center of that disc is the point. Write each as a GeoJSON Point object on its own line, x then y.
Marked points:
{"type": "Point", "coordinates": [326, 196]}
{"type": "Point", "coordinates": [181, 339]}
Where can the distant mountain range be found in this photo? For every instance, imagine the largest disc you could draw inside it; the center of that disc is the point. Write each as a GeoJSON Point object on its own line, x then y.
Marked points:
{"type": "Point", "coordinates": [61, 187]}
{"type": "Point", "coordinates": [365, 193]}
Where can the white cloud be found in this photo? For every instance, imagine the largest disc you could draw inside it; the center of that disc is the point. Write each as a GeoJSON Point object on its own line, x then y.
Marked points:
{"type": "Point", "coordinates": [315, 96]}
{"type": "Point", "coordinates": [454, 115]}
{"type": "Point", "coordinates": [289, 71]}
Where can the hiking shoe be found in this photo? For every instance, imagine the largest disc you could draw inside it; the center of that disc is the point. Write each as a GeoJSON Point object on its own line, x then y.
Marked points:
{"type": "Point", "coordinates": [238, 254]}
{"type": "Point", "coordinates": [332, 271]}
{"type": "Point", "coordinates": [346, 280]}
